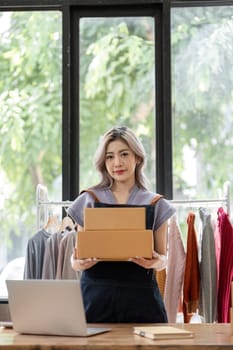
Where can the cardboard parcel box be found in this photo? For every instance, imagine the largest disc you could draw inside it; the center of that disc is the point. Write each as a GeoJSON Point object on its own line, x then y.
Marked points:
{"type": "Point", "coordinates": [114, 244]}
{"type": "Point", "coordinates": [114, 218]}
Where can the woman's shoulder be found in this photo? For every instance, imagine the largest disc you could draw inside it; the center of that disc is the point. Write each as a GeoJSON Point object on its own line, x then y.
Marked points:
{"type": "Point", "coordinates": [99, 194]}
{"type": "Point", "coordinates": [145, 196]}
{"type": "Point", "coordinates": [150, 197]}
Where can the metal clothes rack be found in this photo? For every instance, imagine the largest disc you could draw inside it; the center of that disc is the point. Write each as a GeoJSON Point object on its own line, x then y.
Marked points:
{"type": "Point", "coordinates": [223, 200]}
{"type": "Point", "coordinates": [43, 203]}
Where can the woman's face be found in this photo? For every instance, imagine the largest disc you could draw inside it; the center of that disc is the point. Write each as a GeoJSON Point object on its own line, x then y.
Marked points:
{"type": "Point", "coordinates": [120, 161]}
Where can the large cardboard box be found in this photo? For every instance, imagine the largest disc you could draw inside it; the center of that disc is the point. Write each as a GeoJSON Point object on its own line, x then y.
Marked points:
{"type": "Point", "coordinates": [114, 219]}
{"type": "Point", "coordinates": [114, 245]}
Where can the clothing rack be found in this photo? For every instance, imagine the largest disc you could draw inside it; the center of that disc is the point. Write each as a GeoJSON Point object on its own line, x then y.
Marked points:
{"type": "Point", "coordinates": [223, 200]}
{"type": "Point", "coordinates": [43, 203]}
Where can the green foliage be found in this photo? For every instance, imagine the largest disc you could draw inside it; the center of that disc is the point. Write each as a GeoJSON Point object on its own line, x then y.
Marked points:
{"type": "Point", "coordinates": [117, 81]}
{"type": "Point", "coordinates": [202, 46]}
{"type": "Point", "coordinates": [30, 116]}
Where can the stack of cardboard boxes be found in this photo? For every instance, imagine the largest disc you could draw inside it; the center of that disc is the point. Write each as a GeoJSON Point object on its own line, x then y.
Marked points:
{"type": "Point", "coordinates": [114, 234]}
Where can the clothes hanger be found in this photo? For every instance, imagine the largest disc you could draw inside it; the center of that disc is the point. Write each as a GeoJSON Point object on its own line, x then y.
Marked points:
{"type": "Point", "coordinates": [66, 224]}
{"type": "Point", "coordinates": [52, 225]}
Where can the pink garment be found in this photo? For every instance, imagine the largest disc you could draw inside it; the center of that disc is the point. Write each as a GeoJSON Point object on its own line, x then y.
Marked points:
{"type": "Point", "coordinates": [225, 266]}
{"type": "Point", "coordinates": [175, 270]}
{"type": "Point", "coordinates": [217, 240]}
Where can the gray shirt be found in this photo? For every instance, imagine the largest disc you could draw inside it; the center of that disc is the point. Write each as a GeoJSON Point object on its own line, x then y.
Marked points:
{"type": "Point", "coordinates": [35, 255]}
{"type": "Point", "coordinates": [208, 269]}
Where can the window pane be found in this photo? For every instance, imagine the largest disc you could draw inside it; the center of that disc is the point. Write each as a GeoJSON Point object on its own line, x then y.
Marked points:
{"type": "Point", "coordinates": [30, 127]}
{"type": "Point", "coordinates": [116, 85]}
{"type": "Point", "coordinates": [202, 74]}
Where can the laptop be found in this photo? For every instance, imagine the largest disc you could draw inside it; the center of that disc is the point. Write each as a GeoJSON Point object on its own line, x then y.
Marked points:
{"type": "Point", "coordinates": [5, 318]}
{"type": "Point", "coordinates": [49, 307]}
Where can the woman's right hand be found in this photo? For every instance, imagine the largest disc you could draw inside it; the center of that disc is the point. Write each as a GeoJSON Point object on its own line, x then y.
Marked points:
{"type": "Point", "coordinates": [82, 264]}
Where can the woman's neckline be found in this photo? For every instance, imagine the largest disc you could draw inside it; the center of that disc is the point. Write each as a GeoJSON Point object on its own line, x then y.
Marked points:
{"type": "Point", "coordinates": [124, 198]}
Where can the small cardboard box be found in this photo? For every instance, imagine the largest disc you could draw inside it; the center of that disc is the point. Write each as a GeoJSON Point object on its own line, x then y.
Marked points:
{"type": "Point", "coordinates": [114, 219]}
{"type": "Point", "coordinates": [114, 245]}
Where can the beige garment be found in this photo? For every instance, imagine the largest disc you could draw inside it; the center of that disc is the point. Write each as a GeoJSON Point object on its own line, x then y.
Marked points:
{"type": "Point", "coordinates": [64, 268]}
{"type": "Point", "coordinates": [175, 270]}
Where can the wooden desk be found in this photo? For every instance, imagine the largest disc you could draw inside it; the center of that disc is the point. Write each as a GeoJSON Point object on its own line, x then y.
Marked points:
{"type": "Point", "coordinates": [121, 337]}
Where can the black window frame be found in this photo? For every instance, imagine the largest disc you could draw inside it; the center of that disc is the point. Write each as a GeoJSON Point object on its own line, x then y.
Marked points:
{"type": "Point", "coordinates": [162, 133]}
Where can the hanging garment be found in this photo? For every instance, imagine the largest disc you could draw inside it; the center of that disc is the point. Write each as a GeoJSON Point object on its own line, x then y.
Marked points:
{"type": "Point", "coordinates": [51, 255]}
{"type": "Point", "coordinates": [35, 255]}
{"type": "Point", "coordinates": [52, 248]}
{"type": "Point", "coordinates": [66, 247]}
{"type": "Point", "coordinates": [217, 241]}
{"type": "Point", "coordinates": [225, 266]}
{"type": "Point", "coordinates": [191, 274]}
{"type": "Point", "coordinates": [175, 270]}
{"type": "Point", "coordinates": [208, 269]}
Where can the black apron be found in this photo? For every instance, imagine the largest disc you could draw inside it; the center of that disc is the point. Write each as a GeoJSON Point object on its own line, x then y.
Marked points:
{"type": "Point", "coordinates": [122, 291]}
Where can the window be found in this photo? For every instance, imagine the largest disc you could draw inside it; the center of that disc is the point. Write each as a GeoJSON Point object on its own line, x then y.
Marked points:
{"type": "Point", "coordinates": [30, 123]}
{"type": "Point", "coordinates": [117, 85]}
{"type": "Point", "coordinates": [202, 104]}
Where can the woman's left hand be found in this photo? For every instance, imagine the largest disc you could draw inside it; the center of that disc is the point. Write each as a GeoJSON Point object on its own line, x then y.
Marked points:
{"type": "Point", "coordinates": [158, 261]}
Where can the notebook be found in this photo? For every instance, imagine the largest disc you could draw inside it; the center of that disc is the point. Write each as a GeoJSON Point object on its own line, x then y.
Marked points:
{"type": "Point", "coordinates": [51, 307]}
{"type": "Point", "coordinates": [163, 332]}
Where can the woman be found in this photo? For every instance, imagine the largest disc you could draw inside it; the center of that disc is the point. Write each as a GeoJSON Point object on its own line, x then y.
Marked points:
{"type": "Point", "coordinates": [123, 291]}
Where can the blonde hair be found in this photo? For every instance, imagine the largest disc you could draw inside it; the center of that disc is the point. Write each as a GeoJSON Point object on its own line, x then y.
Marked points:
{"type": "Point", "coordinates": [127, 136]}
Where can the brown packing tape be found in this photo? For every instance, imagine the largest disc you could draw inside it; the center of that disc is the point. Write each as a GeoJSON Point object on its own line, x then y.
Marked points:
{"type": "Point", "coordinates": [115, 245]}
{"type": "Point", "coordinates": [114, 219]}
